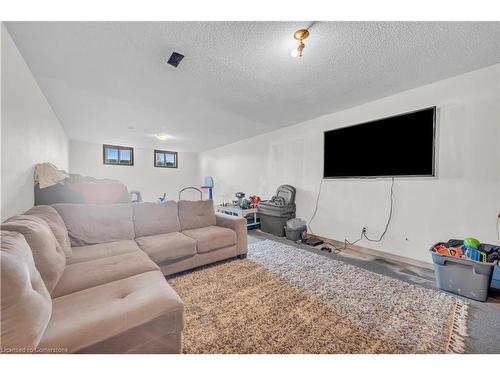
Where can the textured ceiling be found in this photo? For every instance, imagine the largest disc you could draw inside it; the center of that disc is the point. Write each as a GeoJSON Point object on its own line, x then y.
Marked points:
{"type": "Point", "coordinates": [237, 79]}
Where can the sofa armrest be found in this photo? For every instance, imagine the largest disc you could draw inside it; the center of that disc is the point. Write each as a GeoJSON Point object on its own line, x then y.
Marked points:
{"type": "Point", "coordinates": [239, 225]}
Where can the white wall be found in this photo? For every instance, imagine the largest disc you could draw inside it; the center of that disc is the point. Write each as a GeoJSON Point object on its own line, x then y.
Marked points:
{"type": "Point", "coordinates": [31, 132]}
{"type": "Point", "coordinates": [462, 201]}
{"type": "Point", "coordinates": [86, 159]}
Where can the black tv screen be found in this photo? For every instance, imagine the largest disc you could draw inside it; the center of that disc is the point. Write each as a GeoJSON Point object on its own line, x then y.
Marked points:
{"type": "Point", "coordinates": [401, 145]}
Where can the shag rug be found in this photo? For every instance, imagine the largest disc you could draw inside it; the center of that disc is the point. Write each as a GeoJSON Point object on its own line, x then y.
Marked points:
{"type": "Point", "coordinates": [282, 299]}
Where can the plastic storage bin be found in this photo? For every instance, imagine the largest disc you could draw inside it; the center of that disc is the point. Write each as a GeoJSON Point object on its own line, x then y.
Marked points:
{"type": "Point", "coordinates": [276, 212]}
{"type": "Point", "coordinates": [495, 279]}
{"type": "Point", "coordinates": [295, 229]}
{"type": "Point", "coordinates": [464, 277]}
{"type": "Point", "coordinates": [274, 223]}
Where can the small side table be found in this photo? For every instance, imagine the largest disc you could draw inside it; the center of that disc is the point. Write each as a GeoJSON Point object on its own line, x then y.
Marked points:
{"type": "Point", "coordinates": [241, 212]}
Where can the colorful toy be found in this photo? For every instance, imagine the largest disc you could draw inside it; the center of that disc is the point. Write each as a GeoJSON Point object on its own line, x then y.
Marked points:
{"type": "Point", "coordinates": [450, 251]}
{"type": "Point", "coordinates": [456, 251]}
{"type": "Point", "coordinates": [441, 249]}
{"type": "Point", "coordinates": [245, 204]}
{"type": "Point", "coordinates": [470, 249]}
{"type": "Point", "coordinates": [475, 254]}
{"type": "Point", "coordinates": [240, 195]}
{"type": "Point", "coordinates": [472, 242]}
{"type": "Point", "coordinates": [471, 252]}
{"type": "Point", "coordinates": [254, 200]}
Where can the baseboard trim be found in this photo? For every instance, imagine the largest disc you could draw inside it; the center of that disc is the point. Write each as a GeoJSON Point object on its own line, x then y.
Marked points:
{"type": "Point", "coordinates": [378, 254]}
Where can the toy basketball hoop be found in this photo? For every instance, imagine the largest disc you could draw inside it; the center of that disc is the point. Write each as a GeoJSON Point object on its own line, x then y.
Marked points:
{"type": "Point", "coordinates": [208, 183]}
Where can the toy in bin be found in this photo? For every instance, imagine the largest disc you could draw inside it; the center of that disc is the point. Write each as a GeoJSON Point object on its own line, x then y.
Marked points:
{"type": "Point", "coordinates": [450, 251]}
{"type": "Point", "coordinates": [468, 248]}
{"type": "Point", "coordinates": [471, 250]}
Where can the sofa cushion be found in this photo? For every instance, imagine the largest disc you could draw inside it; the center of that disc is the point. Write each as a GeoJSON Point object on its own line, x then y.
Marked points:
{"type": "Point", "coordinates": [102, 250]}
{"type": "Point", "coordinates": [89, 224]}
{"type": "Point", "coordinates": [56, 224]}
{"type": "Point", "coordinates": [25, 301]}
{"type": "Point", "coordinates": [107, 310]}
{"type": "Point", "coordinates": [49, 257]}
{"type": "Point", "coordinates": [212, 238]}
{"type": "Point", "coordinates": [198, 260]}
{"type": "Point", "coordinates": [239, 225]}
{"type": "Point", "coordinates": [166, 247]}
{"type": "Point", "coordinates": [155, 218]}
{"type": "Point", "coordinates": [196, 214]}
{"type": "Point", "coordinates": [84, 275]}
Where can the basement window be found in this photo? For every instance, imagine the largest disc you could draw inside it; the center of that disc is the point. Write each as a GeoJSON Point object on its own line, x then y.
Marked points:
{"type": "Point", "coordinates": [165, 159]}
{"type": "Point", "coordinates": [117, 155]}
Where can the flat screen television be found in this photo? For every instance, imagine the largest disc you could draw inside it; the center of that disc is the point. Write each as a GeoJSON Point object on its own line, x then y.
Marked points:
{"type": "Point", "coordinates": [401, 145]}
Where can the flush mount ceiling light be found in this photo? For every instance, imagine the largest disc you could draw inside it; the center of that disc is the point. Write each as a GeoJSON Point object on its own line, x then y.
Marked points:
{"type": "Point", "coordinates": [300, 35]}
{"type": "Point", "coordinates": [161, 136]}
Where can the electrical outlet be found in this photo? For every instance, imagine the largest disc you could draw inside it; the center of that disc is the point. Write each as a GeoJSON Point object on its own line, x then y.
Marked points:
{"type": "Point", "coordinates": [364, 230]}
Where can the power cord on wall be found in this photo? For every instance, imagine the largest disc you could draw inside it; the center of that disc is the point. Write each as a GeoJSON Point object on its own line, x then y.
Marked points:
{"type": "Point", "coordinates": [498, 224]}
{"type": "Point", "coordinates": [347, 243]}
{"type": "Point", "coordinates": [388, 220]}
{"type": "Point", "coordinates": [315, 208]}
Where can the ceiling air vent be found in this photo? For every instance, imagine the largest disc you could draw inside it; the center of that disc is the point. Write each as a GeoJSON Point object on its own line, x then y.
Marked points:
{"type": "Point", "coordinates": [175, 59]}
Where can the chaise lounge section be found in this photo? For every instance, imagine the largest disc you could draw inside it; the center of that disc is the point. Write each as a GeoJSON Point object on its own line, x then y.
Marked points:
{"type": "Point", "coordinates": [90, 278]}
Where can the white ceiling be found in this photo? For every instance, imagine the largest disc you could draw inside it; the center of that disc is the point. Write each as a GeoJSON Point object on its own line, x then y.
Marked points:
{"type": "Point", "coordinates": [238, 78]}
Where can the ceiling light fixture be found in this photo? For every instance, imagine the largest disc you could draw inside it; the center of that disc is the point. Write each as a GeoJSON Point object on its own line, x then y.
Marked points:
{"type": "Point", "coordinates": [300, 35]}
{"type": "Point", "coordinates": [161, 136]}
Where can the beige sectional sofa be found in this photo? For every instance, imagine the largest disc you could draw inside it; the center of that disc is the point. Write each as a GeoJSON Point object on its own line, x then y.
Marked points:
{"type": "Point", "coordinates": [90, 278]}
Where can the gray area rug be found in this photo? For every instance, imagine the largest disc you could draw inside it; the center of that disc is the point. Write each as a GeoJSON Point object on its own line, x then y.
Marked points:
{"type": "Point", "coordinates": [419, 320]}
{"type": "Point", "coordinates": [285, 300]}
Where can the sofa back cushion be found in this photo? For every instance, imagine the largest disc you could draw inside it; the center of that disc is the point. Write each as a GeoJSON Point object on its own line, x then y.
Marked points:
{"type": "Point", "coordinates": [56, 224]}
{"type": "Point", "coordinates": [196, 214]}
{"type": "Point", "coordinates": [90, 224]}
{"type": "Point", "coordinates": [49, 257]}
{"type": "Point", "coordinates": [25, 302]}
{"type": "Point", "coordinates": [155, 218]}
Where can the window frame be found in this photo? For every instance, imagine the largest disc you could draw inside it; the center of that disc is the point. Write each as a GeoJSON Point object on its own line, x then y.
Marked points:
{"type": "Point", "coordinates": [176, 158]}
{"type": "Point", "coordinates": [119, 148]}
